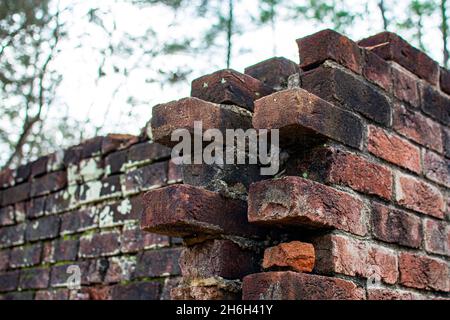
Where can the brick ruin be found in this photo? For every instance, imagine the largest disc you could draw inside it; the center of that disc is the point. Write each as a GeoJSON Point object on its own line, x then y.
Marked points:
{"type": "Point", "coordinates": [359, 210]}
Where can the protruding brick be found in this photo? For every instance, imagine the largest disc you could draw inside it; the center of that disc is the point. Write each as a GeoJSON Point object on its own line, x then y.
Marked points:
{"type": "Point", "coordinates": [422, 272]}
{"type": "Point", "coordinates": [296, 201]}
{"type": "Point", "coordinates": [436, 168]}
{"type": "Point", "coordinates": [229, 87]}
{"type": "Point", "coordinates": [354, 257]}
{"type": "Point", "coordinates": [294, 255]}
{"type": "Point", "coordinates": [390, 46]}
{"type": "Point", "coordinates": [435, 104]}
{"type": "Point", "coordinates": [393, 149]}
{"type": "Point", "coordinates": [304, 118]}
{"type": "Point", "coordinates": [328, 44]}
{"type": "Point", "coordinates": [396, 226]}
{"type": "Point", "coordinates": [419, 196]}
{"type": "Point", "coordinates": [437, 236]}
{"type": "Point", "coordinates": [273, 72]}
{"type": "Point", "coordinates": [182, 210]}
{"type": "Point", "coordinates": [298, 286]}
{"type": "Point", "coordinates": [182, 114]}
{"type": "Point", "coordinates": [222, 258]}
{"type": "Point", "coordinates": [344, 89]}
{"type": "Point", "coordinates": [415, 126]}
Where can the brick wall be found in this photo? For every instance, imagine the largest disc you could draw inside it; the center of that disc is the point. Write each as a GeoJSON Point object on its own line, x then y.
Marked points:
{"type": "Point", "coordinates": [359, 209]}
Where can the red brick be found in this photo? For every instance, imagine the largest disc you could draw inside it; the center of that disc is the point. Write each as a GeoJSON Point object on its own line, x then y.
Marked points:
{"type": "Point", "coordinates": [150, 176]}
{"type": "Point", "coordinates": [9, 281]}
{"type": "Point", "coordinates": [99, 244]}
{"type": "Point", "coordinates": [229, 87]}
{"type": "Point", "coordinates": [446, 141]}
{"type": "Point", "coordinates": [19, 296]}
{"type": "Point", "coordinates": [390, 46]}
{"type": "Point", "coordinates": [304, 118]}
{"type": "Point", "coordinates": [49, 183]}
{"type": "Point", "coordinates": [378, 71]}
{"type": "Point", "coordinates": [296, 201]}
{"type": "Point", "coordinates": [174, 172]}
{"type": "Point", "coordinates": [42, 228]}
{"type": "Point", "coordinates": [23, 173]}
{"type": "Point", "coordinates": [406, 87]}
{"type": "Point", "coordinates": [417, 127]}
{"type": "Point", "coordinates": [393, 149]}
{"type": "Point", "coordinates": [328, 44]}
{"type": "Point", "coordinates": [212, 259]}
{"type": "Point", "coordinates": [79, 220]}
{"type": "Point", "coordinates": [34, 278]}
{"type": "Point", "coordinates": [35, 208]}
{"type": "Point", "coordinates": [26, 256]}
{"type": "Point", "coordinates": [436, 168]}
{"type": "Point", "coordinates": [295, 255]}
{"type": "Point", "coordinates": [435, 104]}
{"type": "Point", "coordinates": [65, 250]}
{"type": "Point", "coordinates": [136, 291]}
{"type": "Point", "coordinates": [422, 272]}
{"type": "Point", "coordinates": [445, 80]}
{"type": "Point", "coordinates": [344, 89]}
{"type": "Point", "coordinates": [419, 196]}
{"type": "Point", "coordinates": [114, 142]}
{"type": "Point", "coordinates": [134, 239]}
{"type": "Point", "coordinates": [354, 257]}
{"type": "Point", "coordinates": [437, 236]}
{"type": "Point", "coordinates": [148, 151]}
{"type": "Point", "coordinates": [58, 294]}
{"type": "Point", "coordinates": [7, 216]}
{"type": "Point", "coordinates": [61, 201]}
{"type": "Point", "coordinates": [55, 161]}
{"type": "Point", "coordinates": [6, 178]}
{"type": "Point", "coordinates": [391, 294]}
{"type": "Point", "coordinates": [114, 162]}
{"type": "Point", "coordinates": [396, 226]}
{"type": "Point", "coordinates": [181, 114]}
{"type": "Point", "coordinates": [39, 167]}
{"type": "Point", "coordinates": [12, 235]}
{"type": "Point", "coordinates": [91, 147]}
{"type": "Point", "coordinates": [120, 269]}
{"type": "Point", "coordinates": [298, 286]}
{"type": "Point", "coordinates": [60, 276]}
{"type": "Point", "coordinates": [203, 293]}
{"type": "Point", "coordinates": [4, 259]}
{"type": "Point", "coordinates": [158, 263]}
{"type": "Point", "coordinates": [169, 284]}
{"type": "Point", "coordinates": [182, 210]}
{"type": "Point", "coordinates": [16, 194]}
{"type": "Point", "coordinates": [273, 72]}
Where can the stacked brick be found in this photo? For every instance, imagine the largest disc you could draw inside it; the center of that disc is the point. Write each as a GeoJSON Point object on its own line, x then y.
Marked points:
{"type": "Point", "coordinates": [79, 209]}
{"type": "Point", "coordinates": [359, 209]}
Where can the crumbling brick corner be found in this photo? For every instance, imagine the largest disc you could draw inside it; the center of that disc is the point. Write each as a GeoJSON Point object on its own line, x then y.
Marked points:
{"type": "Point", "coordinates": [358, 210]}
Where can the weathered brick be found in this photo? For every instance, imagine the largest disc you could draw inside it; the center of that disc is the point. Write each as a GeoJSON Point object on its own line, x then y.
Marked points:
{"type": "Point", "coordinates": [446, 142]}
{"type": "Point", "coordinates": [114, 142]}
{"type": "Point", "coordinates": [35, 208]}
{"type": "Point", "coordinates": [169, 284]}
{"type": "Point", "coordinates": [298, 286]}
{"type": "Point", "coordinates": [18, 296]}
{"type": "Point", "coordinates": [297, 201]}
{"type": "Point", "coordinates": [390, 46]}
{"type": "Point", "coordinates": [37, 278]}
{"type": "Point", "coordinates": [20, 212]}
{"type": "Point", "coordinates": [378, 71]}
{"type": "Point", "coordinates": [49, 183]}
{"type": "Point", "coordinates": [181, 114]}
{"type": "Point", "coordinates": [435, 104]}
{"type": "Point", "coordinates": [445, 80]}
{"type": "Point", "coordinates": [43, 228]}
{"type": "Point", "coordinates": [79, 220]}
{"type": "Point", "coordinates": [136, 291]}
{"type": "Point", "coordinates": [115, 161]}
{"type": "Point", "coordinates": [91, 147]}
{"type": "Point", "coordinates": [9, 281]}
{"type": "Point", "coordinates": [396, 226]}
{"type": "Point", "coordinates": [182, 210]}
{"type": "Point", "coordinates": [229, 87]}
{"type": "Point", "coordinates": [354, 257]}
{"type": "Point", "coordinates": [16, 194]}
{"type": "Point", "coordinates": [437, 236]}
{"type": "Point", "coordinates": [55, 161]}
{"type": "Point", "coordinates": [58, 294]}
{"type": "Point", "coordinates": [65, 250]}
{"type": "Point", "coordinates": [120, 269]}
{"type": "Point", "coordinates": [23, 173]}
{"type": "Point", "coordinates": [99, 244]}
{"type": "Point", "coordinates": [158, 263]}
{"type": "Point", "coordinates": [12, 235]}
{"type": "Point", "coordinates": [174, 172]}
{"type": "Point", "coordinates": [60, 275]}
{"type": "Point", "coordinates": [63, 200]}
{"type": "Point", "coordinates": [393, 149]}
{"type": "Point", "coordinates": [332, 165]}
{"type": "Point", "coordinates": [7, 216]}
{"type": "Point", "coordinates": [417, 127]}
{"type": "Point", "coordinates": [328, 44]}
{"type": "Point", "coordinates": [436, 168]}
{"type": "Point", "coordinates": [304, 118]}
{"type": "Point", "coordinates": [134, 239]}
{"type": "Point", "coordinates": [148, 177]}
{"type": "Point", "coordinates": [6, 178]}
{"type": "Point", "coordinates": [148, 151]}
{"type": "Point", "coordinates": [422, 272]}
{"type": "Point", "coordinates": [39, 167]}
{"type": "Point", "coordinates": [419, 196]}
{"type": "Point", "coordinates": [295, 255]}
{"type": "Point", "coordinates": [119, 212]}
{"type": "Point", "coordinates": [72, 155]}
{"type": "Point", "coordinates": [215, 292]}
{"type": "Point", "coordinates": [346, 90]}
{"type": "Point", "coordinates": [26, 256]}
{"type": "Point", "coordinates": [406, 87]}
{"type": "Point", "coordinates": [4, 259]}
{"type": "Point", "coordinates": [86, 170]}
{"type": "Point", "coordinates": [273, 72]}
{"type": "Point", "coordinates": [212, 259]}
{"type": "Point", "coordinates": [391, 294]}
